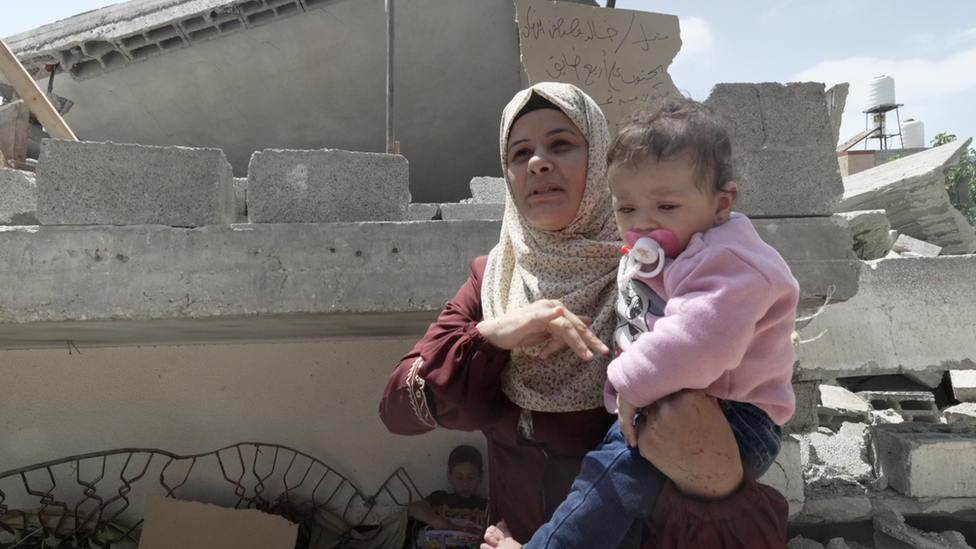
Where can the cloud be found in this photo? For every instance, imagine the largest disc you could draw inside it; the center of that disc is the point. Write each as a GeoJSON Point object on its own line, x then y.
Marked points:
{"type": "Point", "coordinates": [696, 37]}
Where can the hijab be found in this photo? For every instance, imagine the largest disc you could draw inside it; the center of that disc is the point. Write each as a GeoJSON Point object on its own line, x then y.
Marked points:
{"type": "Point", "coordinates": [576, 265]}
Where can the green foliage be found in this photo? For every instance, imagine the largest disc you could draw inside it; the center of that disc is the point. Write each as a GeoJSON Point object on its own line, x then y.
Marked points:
{"type": "Point", "coordinates": [960, 181]}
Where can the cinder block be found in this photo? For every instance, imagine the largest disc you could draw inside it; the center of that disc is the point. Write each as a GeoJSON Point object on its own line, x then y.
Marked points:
{"type": "Point", "coordinates": [472, 211]}
{"type": "Point", "coordinates": [804, 419]}
{"type": "Point", "coordinates": [838, 405]}
{"type": "Point", "coordinates": [90, 183]}
{"type": "Point", "coordinates": [488, 190]}
{"type": "Point", "coordinates": [914, 406]}
{"type": "Point", "coordinates": [422, 211]}
{"type": "Point", "coordinates": [927, 460]}
{"type": "Point", "coordinates": [783, 147]}
{"type": "Point", "coordinates": [18, 198]}
{"type": "Point", "coordinates": [326, 186]}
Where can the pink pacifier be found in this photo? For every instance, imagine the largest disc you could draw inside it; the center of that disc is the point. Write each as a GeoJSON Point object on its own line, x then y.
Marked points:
{"type": "Point", "coordinates": [642, 251]}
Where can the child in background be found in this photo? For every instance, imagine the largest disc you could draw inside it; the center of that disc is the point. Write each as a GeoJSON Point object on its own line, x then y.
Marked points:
{"type": "Point", "coordinates": [704, 304]}
{"type": "Point", "coordinates": [463, 508]}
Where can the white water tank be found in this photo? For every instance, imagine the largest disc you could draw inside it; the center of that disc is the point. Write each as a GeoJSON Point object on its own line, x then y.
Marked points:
{"type": "Point", "coordinates": [881, 91]}
{"type": "Point", "coordinates": [913, 134]}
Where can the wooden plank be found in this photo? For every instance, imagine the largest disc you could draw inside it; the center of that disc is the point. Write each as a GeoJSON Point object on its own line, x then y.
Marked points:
{"type": "Point", "coordinates": [36, 100]}
{"type": "Point", "coordinates": [14, 129]}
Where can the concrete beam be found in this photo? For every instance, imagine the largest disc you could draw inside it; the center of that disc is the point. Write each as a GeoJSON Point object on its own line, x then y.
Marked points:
{"type": "Point", "coordinates": [909, 314]}
{"type": "Point", "coordinates": [149, 284]}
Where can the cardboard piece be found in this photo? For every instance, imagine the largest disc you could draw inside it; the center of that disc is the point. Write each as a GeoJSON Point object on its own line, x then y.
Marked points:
{"type": "Point", "coordinates": [619, 57]}
{"type": "Point", "coordinates": [173, 523]}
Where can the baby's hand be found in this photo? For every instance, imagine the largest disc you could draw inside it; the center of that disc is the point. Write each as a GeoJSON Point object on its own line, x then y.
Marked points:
{"type": "Point", "coordinates": [625, 413]}
{"type": "Point", "coordinates": [498, 537]}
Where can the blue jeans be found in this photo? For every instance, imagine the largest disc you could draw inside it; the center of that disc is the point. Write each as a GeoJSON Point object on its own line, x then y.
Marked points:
{"type": "Point", "coordinates": [617, 488]}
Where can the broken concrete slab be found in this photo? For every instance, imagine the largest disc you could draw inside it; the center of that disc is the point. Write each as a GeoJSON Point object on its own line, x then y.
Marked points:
{"type": "Point", "coordinates": [18, 198]}
{"type": "Point", "coordinates": [832, 454]}
{"type": "Point", "coordinates": [927, 460]}
{"type": "Point", "coordinates": [891, 532]}
{"type": "Point", "coordinates": [963, 385]}
{"type": "Point", "coordinates": [838, 405]}
{"type": "Point", "coordinates": [90, 183]}
{"type": "Point", "coordinates": [783, 148]}
{"type": "Point", "coordinates": [472, 211]}
{"type": "Point", "coordinates": [960, 412]}
{"type": "Point", "coordinates": [326, 186]}
{"type": "Point", "coordinates": [870, 232]}
{"type": "Point", "coordinates": [834, 500]}
{"type": "Point", "coordinates": [786, 474]}
{"type": "Point", "coordinates": [908, 246]}
{"type": "Point", "coordinates": [896, 324]}
{"type": "Point", "coordinates": [912, 192]}
{"type": "Point", "coordinates": [930, 379]}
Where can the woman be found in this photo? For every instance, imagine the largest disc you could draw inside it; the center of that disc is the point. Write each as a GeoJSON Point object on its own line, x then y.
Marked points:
{"type": "Point", "coordinates": [518, 353]}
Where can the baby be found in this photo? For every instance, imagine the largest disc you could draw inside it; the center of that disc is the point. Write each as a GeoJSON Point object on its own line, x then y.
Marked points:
{"type": "Point", "coordinates": [704, 304]}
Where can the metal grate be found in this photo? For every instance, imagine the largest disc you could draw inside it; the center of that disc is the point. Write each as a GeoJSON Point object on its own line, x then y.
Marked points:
{"type": "Point", "coordinates": [97, 499]}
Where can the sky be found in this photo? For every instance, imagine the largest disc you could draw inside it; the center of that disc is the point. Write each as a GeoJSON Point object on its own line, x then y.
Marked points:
{"type": "Point", "coordinates": [928, 48]}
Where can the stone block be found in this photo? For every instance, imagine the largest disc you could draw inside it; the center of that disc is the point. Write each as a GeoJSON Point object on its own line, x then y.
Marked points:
{"type": "Point", "coordinates": [927, 460]}
{"type": "Point", "coordinates": [818, 251]}
{"type": "Point", "coordinates": [870, 232]}
{"type": "Point", "coordinates": [18, 198]}
{"type": "Point", "coordinates": [783, 147]}
{"type": "Point", "coordinates": [326, 186]}
{"type": "Point", "coordinates": [422, 211]}
{"type": "Point", "coordinates": [960, 412]}
{"type": "Point", "coordinates": [913, 406]}
{"type": "Point", "coordinates": [912, 192]}
{"type": "Point", "coordinates": [963, 385]}
{"type": "Point", "coordinates": [838, 405]}
{"type": "Point", "coordinates": [896, 322]}
{"type": "Point", "coordinates": [906, 245]}
{"type": "Point", "coordinates": [91, 183]}
{"type": "Point", "coordinates": [804, 419]}
{"type": "Point", "coordinates": [786, 474]}
{"type": "Point", "coordinates": [488, 190]}
{"type": "Point", "coordinates": [471, 211]}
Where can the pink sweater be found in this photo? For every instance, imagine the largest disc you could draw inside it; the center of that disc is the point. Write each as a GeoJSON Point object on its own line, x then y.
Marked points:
{"type": "Point", "coordinates": [727, 326]}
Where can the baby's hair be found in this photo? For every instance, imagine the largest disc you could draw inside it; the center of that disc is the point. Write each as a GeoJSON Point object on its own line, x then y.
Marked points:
{"type": "Point", "coordinates": [678, 129]}
{"type": "Point", "coordinates": [465, 454]}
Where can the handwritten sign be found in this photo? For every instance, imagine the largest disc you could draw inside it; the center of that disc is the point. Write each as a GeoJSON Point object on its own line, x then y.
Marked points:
{"type": "Point", "coordinates": [619, 57]}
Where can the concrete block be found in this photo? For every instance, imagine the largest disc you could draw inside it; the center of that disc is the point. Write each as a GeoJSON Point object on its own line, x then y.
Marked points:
{"type": "Point", "coordinates": [837, 500]}
{"type": "Point", "coordinates": [422, 211]}
{"type": "Point", "coordinates": [18, 198]}
{"type": "Point", "coordinates": [786, 474]}
{"type": "Point", "coordinates": [839, 454]}
{"type": "Point", "coordinates": [472, 211]}
{"type": "Point", "coordinates": [896, 323]}
{"type": "Point", "coordinates": [836, 98]}
{"type": "Point", "coordinates": [783, 147]}
{"type": "Point", "coordinates": [804, 419]}
{"type": "Point", "coordinates": [870, 232]}
{"type": "Point", "coordinates": [912, 192]}
{"type": "Point", "coordinates": [326, 186]}
{"type": "Point", "coordinates": [927, 460]}
{"type": "Point", "coordinates": [906, 245]}
{"type": "Point", "coordinates": [838, 405]}
{"type": "Point", "coordinates": [914, 406]}
{"type": "Point", "coordinates": [90, 183]}
{"type": "Point", "coordinates": [240, 199]}
{"type": "Point", "coordinates": [818, 251]}
{"type": "Point", "coordinates": [965, 412]}
{"type": "Point", "coordinates": [963, 385]}
{"type": "Point", "coordinates": [488, 190]}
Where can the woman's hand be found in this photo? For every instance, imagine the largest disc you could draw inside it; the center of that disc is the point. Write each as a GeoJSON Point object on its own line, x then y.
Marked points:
{"type": "Point", "coordinates": [687, 437]}
{"type": "Point", "coordinates": [545, 321]}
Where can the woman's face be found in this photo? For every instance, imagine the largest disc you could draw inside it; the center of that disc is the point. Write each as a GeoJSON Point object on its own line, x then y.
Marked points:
{"type": "Point", "coordinates": [547, 157]}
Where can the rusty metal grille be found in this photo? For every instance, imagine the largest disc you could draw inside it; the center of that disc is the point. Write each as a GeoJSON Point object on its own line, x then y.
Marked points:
{"type": "Point", "coordinates": [97, 499]}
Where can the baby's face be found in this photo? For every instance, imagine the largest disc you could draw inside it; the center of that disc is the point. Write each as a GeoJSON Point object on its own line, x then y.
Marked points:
{"type": "Point", "coordinates": [664, 195]}
{"type": "Point", "coordinates": [465, 479]}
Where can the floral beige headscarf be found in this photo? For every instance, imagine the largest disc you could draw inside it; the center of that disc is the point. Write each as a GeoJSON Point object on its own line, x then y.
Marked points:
{"type": "Point", "coordinates": [576, 265]}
